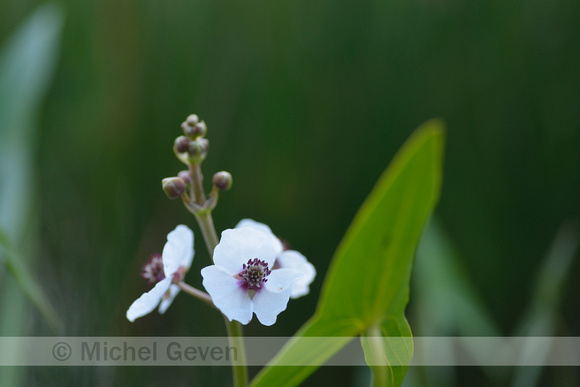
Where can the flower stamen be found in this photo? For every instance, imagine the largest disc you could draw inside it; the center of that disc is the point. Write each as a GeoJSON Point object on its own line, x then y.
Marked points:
{"type": "Point", "coordinates": [153, 269]}
{"type": "Point", "coordinates": [254, 274]}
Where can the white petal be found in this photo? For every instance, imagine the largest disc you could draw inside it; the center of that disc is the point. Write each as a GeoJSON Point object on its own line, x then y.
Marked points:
{"type": "Point", "coordinates": [262, 227]}
{"type": "Point", "coordinates": [273, 299]}
{"type": "Point", "coordinates": [291, 259]}
{"type": "Point", "coordinates": [239, 245]}
{"type": "Point", "coordinates": [167, 298]}
{"type": "Point", "coordinates": [178, 250]}
{"type": "Point", "coordinates": [227, 294]}
{"type": "Point", "coordinates": [148, 301]}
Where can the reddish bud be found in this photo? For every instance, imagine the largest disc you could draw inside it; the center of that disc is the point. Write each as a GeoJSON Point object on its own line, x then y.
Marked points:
{"type": "Point", "coordinates": [222, 180]}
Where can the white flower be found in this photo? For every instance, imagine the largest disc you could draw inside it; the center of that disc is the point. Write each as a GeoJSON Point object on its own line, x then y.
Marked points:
{"type": "Point", "coordinates": [287, 259]}
{"type": "Point", "coordinates": [177, 257]}
{"type": "Point", "coordinates": [242, 283]}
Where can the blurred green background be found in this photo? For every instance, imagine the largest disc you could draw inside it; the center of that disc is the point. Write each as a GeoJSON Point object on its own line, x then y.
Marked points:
{"type": "Point", "coordinates": [306, 102]}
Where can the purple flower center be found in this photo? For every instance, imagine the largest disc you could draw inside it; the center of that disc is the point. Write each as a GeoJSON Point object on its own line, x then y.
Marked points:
{"type": "Point", "coordinates": [153, 269]}
{"type": "Point", "coordinates": [254, 273]}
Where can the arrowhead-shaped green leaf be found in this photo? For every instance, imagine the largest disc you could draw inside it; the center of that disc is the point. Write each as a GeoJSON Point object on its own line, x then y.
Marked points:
{"type": "Point", "coordinates": [367, 286]}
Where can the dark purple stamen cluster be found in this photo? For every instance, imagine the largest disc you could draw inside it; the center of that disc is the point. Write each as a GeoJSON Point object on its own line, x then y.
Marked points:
{"type": "Point", "coordinates": [153, 269]}
{"type": "Point", "coordinates": [254, 273]}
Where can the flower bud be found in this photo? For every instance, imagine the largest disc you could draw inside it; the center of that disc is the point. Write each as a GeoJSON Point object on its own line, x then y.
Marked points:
{"type": "Point", "coordinates": [201, 128]}
{"type": "Point", "coordinates": [222, 180]}
{"type": "Point", "coordinates": [204, 144]}
{"type": "Point", "coordinates": [192, 120]}
{"type": "Point", "coordinates": [185, 176]}
{"type": "Point", "coordinates": [181, 144]}
{"type": "Point", "coordinates": [174, 187]}
{"type": "Point", "coordinates": [198, 150]}
{"type": "Point", "coordinates": [193, 128]}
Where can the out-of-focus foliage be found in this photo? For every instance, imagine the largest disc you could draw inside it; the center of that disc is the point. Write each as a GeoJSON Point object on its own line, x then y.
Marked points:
{"type": "Point", "coordinates": [543, 313]}
{"type": "Point", "coordinates": [306, 103]}
{"type": "Point", "coordinates": [446, 304]}
{"type": "Point", "coordinates": [27, 65]}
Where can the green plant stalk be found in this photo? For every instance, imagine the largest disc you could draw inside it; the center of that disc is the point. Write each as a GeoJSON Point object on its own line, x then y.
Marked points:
{"type": "Point", "coordinates": [234, 328]}
{"type": "Point", "coordinates": [377, 346]}
{"type": "Point", "coordinates": [236, 340]}
{"type": "Point", "coordinates": [204, 218]}
{"type": "Point", "coordinates": [196, 184]}
{"type": "Point", "coordinates": [205, 222]}
{"type": "Point", "coordinates": [196, 293]}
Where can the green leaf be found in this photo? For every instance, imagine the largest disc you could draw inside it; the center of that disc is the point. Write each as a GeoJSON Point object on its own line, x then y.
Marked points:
{"type": "Point", "coordinates": [27, 64]}
{"type": "Point", "coordinates": [387, 352]}
{"type": "Point", "coordinates": [446, 299]}
{"type": "Point", "coordinates": [27, 283]}
{"type": "Point", "coordinates": [367, 286]}
{"type": "Point", "coordinates": [544, 311]}
{"type": "Point", "coordinates": [446, 303]}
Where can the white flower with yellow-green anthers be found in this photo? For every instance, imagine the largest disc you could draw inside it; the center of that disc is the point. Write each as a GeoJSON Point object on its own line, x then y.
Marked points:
{"type": "Point", "coordinates": [167, 270]}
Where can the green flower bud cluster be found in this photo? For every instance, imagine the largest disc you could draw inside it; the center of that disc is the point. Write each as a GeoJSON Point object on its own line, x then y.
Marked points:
{"type": "Point", "coordinates": [193, 128]}
{"type": "Point", "coordinates": [191, 148]}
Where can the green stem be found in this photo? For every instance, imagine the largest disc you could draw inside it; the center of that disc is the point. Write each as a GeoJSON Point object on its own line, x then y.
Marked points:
{"type": "Point", "coordinates": [236, 340]}
{"type": "Point", "coordinates": [196, 293]}
{"type": "Point", "coordinates": [205, 222]}
{"type": "Point", "coordinates": [204, 219]}
{"type": "Point", "coordinates": [196, 184]}
{"type": "Point", "coordinates": [377, 349]}
{"type": "Point", "coordinates": [234, 328]}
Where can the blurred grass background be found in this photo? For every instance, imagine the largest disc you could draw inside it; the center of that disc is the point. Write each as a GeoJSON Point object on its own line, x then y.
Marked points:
{"type": "Point", "coordinates": [306, 102]}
